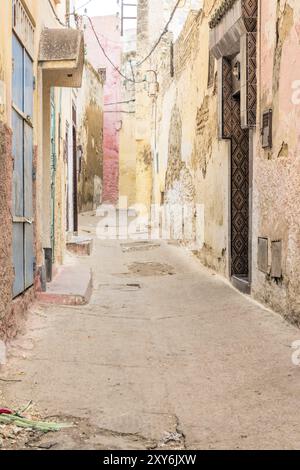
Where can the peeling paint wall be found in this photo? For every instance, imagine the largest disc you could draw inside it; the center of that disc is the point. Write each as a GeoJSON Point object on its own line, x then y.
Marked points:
{"type": "Point", "coordinates": [193, 163]}
{"type": "Point", "coordinates": [144, 107]}
{"type": "Point", "coordinates": [108, 29]}
{"type": "Point", "coordinates": [152, 17]}
{"type": "Point", "coordinates": [90, 140]}
{"type": "Point", "coordinates": [127, 177]}
{"type": "Point", "coordinates": [276, 194]}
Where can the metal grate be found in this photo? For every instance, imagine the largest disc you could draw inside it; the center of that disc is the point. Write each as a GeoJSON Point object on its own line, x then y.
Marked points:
{"type": "Point", "coordinates": [23, 26]}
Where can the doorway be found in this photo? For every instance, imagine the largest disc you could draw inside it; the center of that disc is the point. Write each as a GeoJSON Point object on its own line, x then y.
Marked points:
{"type": "Point", "coordinates": [22, 206]}
{"type": "Point", "coordinates": [239, 179]}
{"type": "Point", "coordinates": [239, 197]}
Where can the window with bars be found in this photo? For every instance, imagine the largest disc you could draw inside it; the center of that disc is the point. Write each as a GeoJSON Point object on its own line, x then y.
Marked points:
{"type": "Point", "coordinates": [23, 26]}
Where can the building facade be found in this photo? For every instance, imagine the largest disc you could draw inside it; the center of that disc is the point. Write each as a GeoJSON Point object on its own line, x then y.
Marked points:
{"type": "Point", "coordinates": [41, 61]}
{"type": "Point", "coordinates": [90, 139]}
{"type": "Point", "coordinates": [223, 136]}
{"type": "Point", "coordinates": [107, 29]}
{"type": "Point", "coordinates": [127, 168]}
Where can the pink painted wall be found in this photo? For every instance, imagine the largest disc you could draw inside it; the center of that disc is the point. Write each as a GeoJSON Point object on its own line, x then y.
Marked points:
{"type": "Point", "coordinates": [108, 31]}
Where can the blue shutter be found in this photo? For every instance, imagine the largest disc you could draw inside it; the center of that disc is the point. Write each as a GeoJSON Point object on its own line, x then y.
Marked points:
{"type": "Point", "coordinates": [23, 243]}
{"type": "Point", "coordinates": [28, 86]}
{"type": "Point", "coordinates": [18, 74]}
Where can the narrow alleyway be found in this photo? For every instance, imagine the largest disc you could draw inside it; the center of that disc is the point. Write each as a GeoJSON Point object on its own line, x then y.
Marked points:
{"type": "Point", "coordinates": [166, 354]}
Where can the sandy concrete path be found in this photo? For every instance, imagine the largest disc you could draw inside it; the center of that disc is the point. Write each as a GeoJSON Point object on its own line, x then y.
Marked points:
{"type": "Point", "coordinates": [165, 355]}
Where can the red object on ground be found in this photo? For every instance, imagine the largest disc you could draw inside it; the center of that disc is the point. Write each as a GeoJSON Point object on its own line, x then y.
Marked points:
{"type": "Point", "coordinates": [5, 411]}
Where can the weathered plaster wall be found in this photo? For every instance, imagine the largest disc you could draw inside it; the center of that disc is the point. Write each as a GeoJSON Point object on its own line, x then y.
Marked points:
{"type": "Point", "coordinates": [144, 156]}
{"type": "Point", "coordinates": [127, 179]}
{"type": "Point", "coordinates": [90, 139]}
{"type": "Point", "coordinates": [152, 17]}
{"type": "Point", "coordinates": [193, 163]}
{"type": "Point", "coordinates": [277, 171]}
{"type": "Point", "coordinates": [127, 183]}
{"type": "Point", "coordinates": [108, 29]}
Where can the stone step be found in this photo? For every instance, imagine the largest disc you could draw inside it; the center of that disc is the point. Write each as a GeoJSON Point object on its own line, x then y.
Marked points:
{"type": "Point", "coordinates": [72, 285]}
{"type": "Point", "coordinates": [80, 246]}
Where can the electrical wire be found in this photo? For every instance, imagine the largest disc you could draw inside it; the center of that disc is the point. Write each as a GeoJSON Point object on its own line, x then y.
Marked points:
{"type": "Point", "coordinates": [165, 30]}
{"type": "Point", "coordinates": [55, 14]}
{"type": "Point", "coordinates": [117, 111]}
{"type": "Point", "coordinates": [107, 56]}
{"type": "Point", "coordinates": [98, 40]}
{"type": "Point", "coordinates": [120, 102]}
{"type": "Point", "coordinates": [132, 80]}
{"type": "Point", "coordinates": [84, 5]}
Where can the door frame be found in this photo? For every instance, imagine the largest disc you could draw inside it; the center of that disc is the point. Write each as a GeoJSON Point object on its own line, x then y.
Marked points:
{"type": "Point", "coordinates": [22, 216]}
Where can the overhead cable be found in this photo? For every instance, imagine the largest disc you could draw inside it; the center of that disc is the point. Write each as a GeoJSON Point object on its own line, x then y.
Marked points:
{"type": "Point", "coordinates": [165, 30]}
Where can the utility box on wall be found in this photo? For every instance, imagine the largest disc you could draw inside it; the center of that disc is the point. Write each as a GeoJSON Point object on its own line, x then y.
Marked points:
{"type": "Point", "coordinates": [276, 268]}
{"type": "Point", "coordinates": [263, 255]}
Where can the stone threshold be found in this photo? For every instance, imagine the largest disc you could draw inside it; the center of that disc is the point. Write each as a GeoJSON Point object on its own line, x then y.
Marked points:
{"type": "Point", "coordinates": [72, 285]}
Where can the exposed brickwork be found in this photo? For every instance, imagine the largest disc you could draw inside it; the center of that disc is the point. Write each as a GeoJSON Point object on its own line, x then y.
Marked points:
{"type": "Point", "coordinates": [187, 46]}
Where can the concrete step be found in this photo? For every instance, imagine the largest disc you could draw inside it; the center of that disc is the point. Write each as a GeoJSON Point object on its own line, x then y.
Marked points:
{"type": "Point", "coordinates": [72, 285]}
{"type": "Point", "coordinates": [80, 246]}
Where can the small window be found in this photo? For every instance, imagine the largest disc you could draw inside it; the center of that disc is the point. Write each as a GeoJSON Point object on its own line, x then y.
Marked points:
{"type": "Point", "coordinates": [23, 26]}
{"type": "Point", "coordinates": [266, 132]}
{"type": "Point", "coordinates": [172, 70]}
{"type": "Point", "coordinates": [102, 73]}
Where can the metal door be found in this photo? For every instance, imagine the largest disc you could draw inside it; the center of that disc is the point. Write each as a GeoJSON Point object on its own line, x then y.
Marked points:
{"type": "Point", "coordinates": [22, 98]}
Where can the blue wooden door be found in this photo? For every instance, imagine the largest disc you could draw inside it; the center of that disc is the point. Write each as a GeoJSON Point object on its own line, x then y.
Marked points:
{"type": "Point", "coordinates": [22, 114]}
